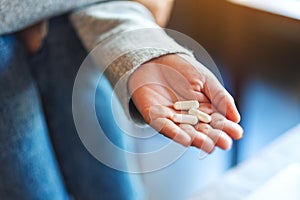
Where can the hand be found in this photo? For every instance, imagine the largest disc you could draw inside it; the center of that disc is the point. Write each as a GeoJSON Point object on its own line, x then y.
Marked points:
{"type": "Point", "coordinates": [156, 85]}
{"type": "Point", "coordinates": [160, 9]}
{"type": "Point", "coordinates": [33, 36]}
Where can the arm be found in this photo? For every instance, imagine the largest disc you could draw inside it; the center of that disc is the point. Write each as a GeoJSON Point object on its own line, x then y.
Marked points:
{"type": "Point", "coordinates": [161, 10]}
{"type": "Point", "coordinates": [125, 38]}
{"type": "Point", "coordinates": [134, 48]}
{"type": "Point", "coordinates": [16, 15]}
{"type": "Point", "coordinates": [33, 35]}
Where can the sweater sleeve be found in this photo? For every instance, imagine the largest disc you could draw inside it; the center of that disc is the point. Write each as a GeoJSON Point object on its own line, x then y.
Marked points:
{"type": "Point", "coordinates": [18, 14]}
{"type": "Point", "coordinates": [122, 35]}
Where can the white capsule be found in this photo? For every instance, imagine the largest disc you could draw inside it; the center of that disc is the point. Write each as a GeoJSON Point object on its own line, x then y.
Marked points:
{"type": "Point", "coordinates": [185, 119]}
{"type": "Point", "coordinates": [202, 116]}
{"type": "Point", "coordinates": [186, 105]}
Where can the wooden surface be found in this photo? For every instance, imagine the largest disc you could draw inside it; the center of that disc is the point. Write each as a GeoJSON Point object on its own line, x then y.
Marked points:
{"type": "Point", "coordinates": [242, 181]}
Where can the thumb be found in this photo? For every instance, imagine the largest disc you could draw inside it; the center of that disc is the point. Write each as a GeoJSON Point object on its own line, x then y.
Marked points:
{"type": "Point", "coordinates": [220, 98]}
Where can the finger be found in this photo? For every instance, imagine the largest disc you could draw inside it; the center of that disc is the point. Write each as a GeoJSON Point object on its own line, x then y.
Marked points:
{"type": "Point", "coordinates": [201, 97]}
{"type": "Point", "coordinates": [232, 129]}
{"type": "Point", "coordinates": [171, 130]}
{"type": "Point", "coordinates": [220, 98]}
{"type": "Point", "coordinates": [199, 139]}
{"type": "Point", "coordinates": [220, 138]}
{"type": "Point", "coordinates": [206, 108]}
{"type": "Point", "coordinates": [159, 111]}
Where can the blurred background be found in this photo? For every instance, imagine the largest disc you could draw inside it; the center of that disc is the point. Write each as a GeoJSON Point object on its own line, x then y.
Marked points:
{"type": "Point", "coordinates": [257, 50]}
{"type": "Point", "coordinates": [258, 54]}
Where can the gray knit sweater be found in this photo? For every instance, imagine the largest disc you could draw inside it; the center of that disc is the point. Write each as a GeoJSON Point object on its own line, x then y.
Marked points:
{"type": "Point", "coordinates": [125, 31]}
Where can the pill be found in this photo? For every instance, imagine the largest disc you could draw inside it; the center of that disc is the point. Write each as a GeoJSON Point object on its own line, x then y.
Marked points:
{"type": "Point", "coordinates": [186, 105]}
{"type": "Point", "coordinates": [185, 119]}
{"type": "Point", "coordinates": [202, 116]}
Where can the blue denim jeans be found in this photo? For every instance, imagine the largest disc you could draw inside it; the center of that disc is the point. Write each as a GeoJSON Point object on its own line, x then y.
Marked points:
{"type": "Point", "coordinates": [41, 155]}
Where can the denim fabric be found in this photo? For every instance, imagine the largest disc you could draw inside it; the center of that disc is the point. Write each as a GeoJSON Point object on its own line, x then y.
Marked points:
{"type": "Point", "coordinates": [28, 168]}
{"type": "Point", "coordinates": [41, 155]}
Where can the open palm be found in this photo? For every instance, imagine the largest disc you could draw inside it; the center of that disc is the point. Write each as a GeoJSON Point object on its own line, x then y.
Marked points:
{"type": "Point", "coordinates": [156, 85]}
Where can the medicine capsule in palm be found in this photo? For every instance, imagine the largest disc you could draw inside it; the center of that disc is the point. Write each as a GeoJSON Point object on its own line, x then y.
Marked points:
{"type": "Point", "coordinates": [185, 119]}
{"type": "Point", "coordinates": [202, 116]}
{"type": "Point", "coordinates": [186, 105]}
